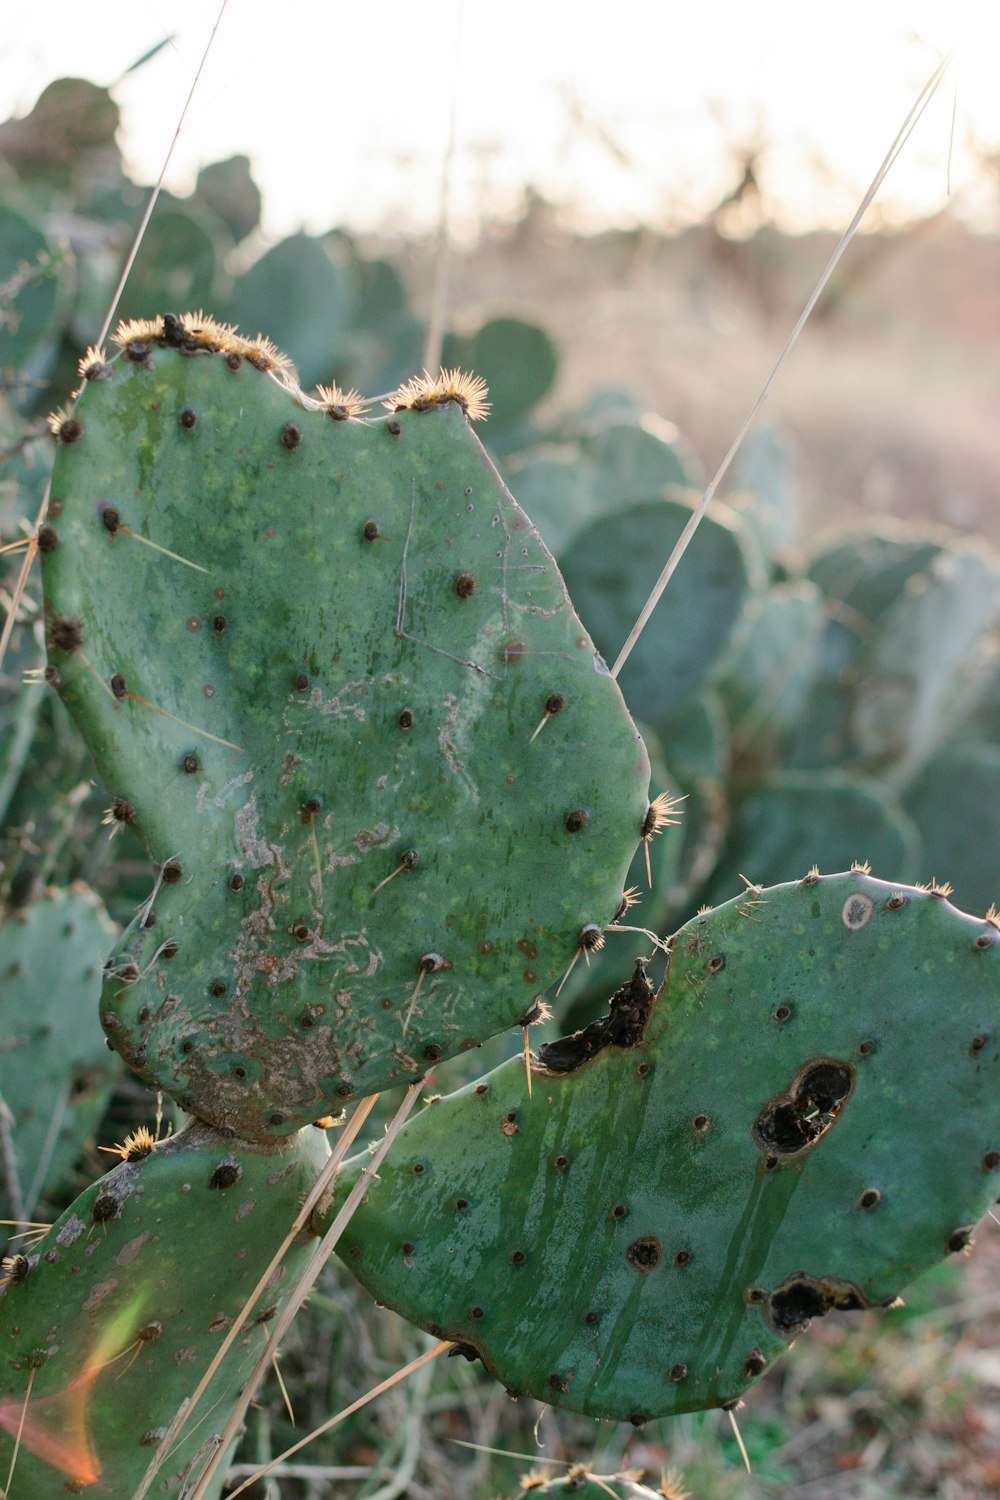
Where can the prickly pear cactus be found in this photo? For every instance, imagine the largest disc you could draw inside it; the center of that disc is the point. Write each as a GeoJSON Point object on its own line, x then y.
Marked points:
{"type": "Point", "coordinates": [109, 1320]}
{"type": "Point", "coordinates": [332, 677]}
{"type": "Point", "coordinates": [805, 1118]}
{"type": "Point", "coordinates": [57, 1072]}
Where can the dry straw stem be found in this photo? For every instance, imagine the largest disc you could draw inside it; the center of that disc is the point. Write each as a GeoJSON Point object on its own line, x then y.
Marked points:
{"type": "Point", "coordinates": [927, 93]}
{"type": "Point", "coordinates": [378, 1390]}
{"type": "Point", "coordinates": [303, 1287]}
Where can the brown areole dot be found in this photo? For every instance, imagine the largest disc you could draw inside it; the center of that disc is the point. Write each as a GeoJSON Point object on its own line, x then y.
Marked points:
{"type": "Point", "coordinates": [465, 585]}
{"type": "Point", "coordinates": [291, 435]}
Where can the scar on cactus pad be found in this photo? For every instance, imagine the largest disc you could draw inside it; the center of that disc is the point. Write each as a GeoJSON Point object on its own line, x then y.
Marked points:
{"type": "Point", "coordinates": [803, 1119]}
{"type": "Point", "coordinates": [368, 786]}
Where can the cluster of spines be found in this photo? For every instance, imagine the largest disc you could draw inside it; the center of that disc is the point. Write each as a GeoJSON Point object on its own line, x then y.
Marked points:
{"type": "Point", "coordinates": [197, 333]}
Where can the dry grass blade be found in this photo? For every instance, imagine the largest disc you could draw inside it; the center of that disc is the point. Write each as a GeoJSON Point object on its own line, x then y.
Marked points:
{"type": "Point", "coordinates": [348, 1411]}
{"type": "Point", "coordinates": [303, 1287]}
{"type": "Point", "coordinates": [319, 1187]}
{"type": "Point", "coordinates": [928, 91]}
{"type": "Point", "coordinates": [140, 232]}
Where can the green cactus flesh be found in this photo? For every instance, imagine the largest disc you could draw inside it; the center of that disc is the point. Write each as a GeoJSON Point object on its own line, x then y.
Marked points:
{"type": "Point", "coordinates": [57, 1072]}
{"type": "Point", "coordinates": [804, 1119]}
{"type": "Point", "coordinates": [114, 1315]}
{"type": "Point", "coordinates": [325, 732]}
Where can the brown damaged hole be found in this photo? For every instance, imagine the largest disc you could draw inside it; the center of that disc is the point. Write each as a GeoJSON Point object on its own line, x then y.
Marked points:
{"type": "Point", "coordinates": [643, 1254]}
{"type": "Point", "coordinates": [978, 1042]}
{"type": "Point", "coordinates": [517, 1257]}
{"type": "Point", "coordinates": [370, 531]}
{"type": "Point", "coordinates": [678, 1373]}
{"type": "Point", "coordinates": [623, 1026]}
{"type": "Point", "coordinates": [701, 1124]}
{"type": "Point", "coordinates": [225, 1175]}
{"type": "Point", "coordinates": [870, 1198]}
{"type": "Point", "coordinates": [716, 962]}
{"type": "Point", "coordinates": [960, 1239]}
{"type": "Point", "coordinates": [219, 623]}
{"type": "Point", "coordinates": [682, 1258]}
{"type": "Point", "coordinates": [866, 1048]}
{"type": "Point", "coordinates": [991, 1161]}
{"type": "Point", "coordinates": [405, 719]}
{"type": "Point", "coordinates": [557, 1383]}
{"type": "Point", "coordinates": [509, 1124]}
{"type": "Point", "coordinates": [576, 820]}
{"type": "Point", "coordinates": [794, 1120]}
{"type": "Point", "coordinates": [754, 1363]}
{"type": "Point", "coordinates": [190, 764]}
{"type": "Point", "coordinates": [172, 872]}
{"type": "Point", "coordinates": [896, 901]}
{"type": "Point", "coordinates": [619, 1211]}
{"type": "Point", "coordinates": [291, 435]}
{"type": "Point", "coordinates": [792, 1305]}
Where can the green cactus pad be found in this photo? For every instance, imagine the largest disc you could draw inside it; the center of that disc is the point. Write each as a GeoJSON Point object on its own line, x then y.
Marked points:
{"type": "Point", "coordinates": [610, 569]}
{"type": "Point", "coordinates": [350, 791]}
{"type": "Point", "coordinates": [957, 790]}
{"type": "Point", "coordinates": [806, 1120]}
{"type": "Point", "coordinates": [518, 360]}
{"type": "Point", "coordinates": [119, 1309]}
{"type": "Point", "coordinates": [796, 819]}
{"type": "Point", "coordinates": [57, 1071]}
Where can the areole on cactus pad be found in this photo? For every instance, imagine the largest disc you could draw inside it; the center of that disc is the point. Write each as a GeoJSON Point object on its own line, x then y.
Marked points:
{"type": "Point", "coordinates": [331, 675]}
{"type": "Point", "coordinates": [802, 1120]}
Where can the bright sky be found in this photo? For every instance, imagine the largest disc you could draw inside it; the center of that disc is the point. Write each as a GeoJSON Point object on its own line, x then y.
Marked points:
{"type": "Point", "coordinates": [628, 112]}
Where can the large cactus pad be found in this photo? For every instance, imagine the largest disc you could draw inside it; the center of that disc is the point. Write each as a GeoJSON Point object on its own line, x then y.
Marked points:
{"type": "Point", "coordinates": [108, 1322]}
{"type": "Point", "coordinates": [318, 709]}
{"type": "Point", "coordinates": [805, 1118]}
